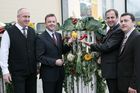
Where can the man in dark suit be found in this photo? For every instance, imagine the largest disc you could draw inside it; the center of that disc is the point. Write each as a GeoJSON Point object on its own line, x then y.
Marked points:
{"type": "Point", "coordinates": [109, 49]}
{"type": "Point", "coordinates": [17, 55]}
{"type": "Point", "coordinates": [50, 48]}
{"type": "Point", "coordinates": [129, 59]}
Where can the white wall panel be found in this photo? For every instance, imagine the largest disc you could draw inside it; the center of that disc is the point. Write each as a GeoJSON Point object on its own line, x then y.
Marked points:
{"type": "Point", "coordinates": [38, 9]}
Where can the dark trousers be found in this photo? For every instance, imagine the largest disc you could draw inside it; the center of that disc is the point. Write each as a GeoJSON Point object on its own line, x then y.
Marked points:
{"type": "Point", "coordinates": [112, 85]}
{"type": "Point", "coordinates": [24, 83]}
{"type": "Point", "coordinates": [52, 86]}
{"type": "Point", "coordinates": [122, 92]}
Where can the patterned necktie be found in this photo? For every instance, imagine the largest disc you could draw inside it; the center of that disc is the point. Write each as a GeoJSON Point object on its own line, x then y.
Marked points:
{"type": "Point", "coordinates": [123, 43]}
{"type": "Point", "coordinates": [24, 31]}
{"type": "Point", "coordinates": [54, 39]}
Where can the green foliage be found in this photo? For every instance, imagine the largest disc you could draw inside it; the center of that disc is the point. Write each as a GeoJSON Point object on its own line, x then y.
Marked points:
{"type": "Point", "coordinates": [70, 26]}
{"type": "Point", "coordinates": [9, 88]}
{"type": "Point", "coordinates": [85, 24]}
{"type": "Point", "coordinates": [8, 25]}
{"type": "Point", "coordinates": [91, 24]}
{"type": "Point", "coordinates": [80, 68]}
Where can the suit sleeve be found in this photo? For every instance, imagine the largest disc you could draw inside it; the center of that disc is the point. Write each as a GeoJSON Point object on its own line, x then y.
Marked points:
{"type": "Point", "coordinates": [110, 44]}
{"type": "Point", "coordinates": [66, 48]}
{"type": "Point", "coordinates": [135, 81]}
{"type": "Point", "coordinates": [40, 54]}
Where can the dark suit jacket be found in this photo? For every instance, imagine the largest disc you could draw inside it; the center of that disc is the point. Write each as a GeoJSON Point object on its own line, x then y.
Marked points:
{"type": "Point", "coordinates": [109, 50]}
{"type": "Point", "coordinates": [129, 63]}
{"type": "Point", "coordinates": [48, 53]}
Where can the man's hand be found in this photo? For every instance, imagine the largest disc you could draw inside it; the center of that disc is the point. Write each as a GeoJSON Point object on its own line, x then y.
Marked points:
{"type": "Point", "coordinates": [59, 62]}
{"type": "Point", "coordinates": [71, 40]}
{"type": "Point", "coordinates": [131, 90]}
{"type": "Point", "coordinates": [7, 78]}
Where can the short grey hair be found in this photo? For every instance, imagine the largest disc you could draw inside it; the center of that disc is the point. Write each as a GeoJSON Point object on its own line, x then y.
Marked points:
{"type": "Point", "coordinates": [19, 11]}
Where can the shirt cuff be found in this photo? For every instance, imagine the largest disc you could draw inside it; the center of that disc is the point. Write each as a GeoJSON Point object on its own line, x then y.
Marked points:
{"type": "Point", "coordinates": [5, 71]}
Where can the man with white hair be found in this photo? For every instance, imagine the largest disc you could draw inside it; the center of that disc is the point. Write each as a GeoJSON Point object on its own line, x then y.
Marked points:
{"type": "Point", "coordinates": [17, 55]}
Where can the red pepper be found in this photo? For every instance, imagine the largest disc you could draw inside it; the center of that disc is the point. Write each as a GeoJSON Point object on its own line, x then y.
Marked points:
{"type": "Point", "coordinates": [83, 37]}
{"type": "Point", "coordinates": [74, 20]}
{"type": "Point", "coordinates": [86, 43]}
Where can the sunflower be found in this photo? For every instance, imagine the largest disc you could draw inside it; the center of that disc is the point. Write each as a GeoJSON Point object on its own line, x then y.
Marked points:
{"type": "Point", "coordinates": [88, 57]}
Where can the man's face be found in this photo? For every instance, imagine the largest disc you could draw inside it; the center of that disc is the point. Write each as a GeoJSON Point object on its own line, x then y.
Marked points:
{"type": "Point", "coordinates": [111, 19]}
{"type": "Point", "coordinates": [23, 17]}
{"type": "Point", "coordinates": [51, 23]}
{"type": "Point", "coordinates": [126, 23]}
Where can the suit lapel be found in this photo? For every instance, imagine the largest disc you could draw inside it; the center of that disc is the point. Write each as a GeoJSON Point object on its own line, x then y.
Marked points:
{"type": "Point", "coordinates": [128, 42]}
{"type": "Point", "coordinates": [19, 32]}
{"type": "Point", "coordinates": [115, 28]}
{"type": "Point", "coordinates": [58, 40]}
{"type": "Point", "coordinates": [107, 36]}
{"type": "Point", "coordinates": [49, 38]}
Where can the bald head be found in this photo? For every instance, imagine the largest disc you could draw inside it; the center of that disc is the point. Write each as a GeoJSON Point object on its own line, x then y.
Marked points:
{"type": "Point", "coordinates": [23, 17]}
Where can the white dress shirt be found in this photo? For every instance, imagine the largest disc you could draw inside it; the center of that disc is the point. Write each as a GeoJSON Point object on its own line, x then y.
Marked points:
{"type": "Point", "coordinates": [126, 36]}
{"type": "Point", "coordinates": [50, 33]}
{"type": "Point", "coordinates": [4, 50]}
{"type": "Point", "coordinates": [128, 33]}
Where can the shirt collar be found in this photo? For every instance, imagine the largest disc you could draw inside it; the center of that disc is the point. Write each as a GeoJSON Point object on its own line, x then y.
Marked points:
{"type": "Point", "coordinates": [19, 27]}
{"type": "Point", "coordinates": [129, 32]}
{"type": "Point", "coordinates": [50, 32]}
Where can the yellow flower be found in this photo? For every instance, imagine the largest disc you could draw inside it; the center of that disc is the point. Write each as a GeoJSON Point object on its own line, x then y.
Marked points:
{"type": "Point", "coordinates": [138, 23]}
{"type": "Point", "coordinates": [87, 57]}
{"type": "Point", "coordinates": [74, 35]}
{"type": "Point", "coordinates": [32, 25]}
